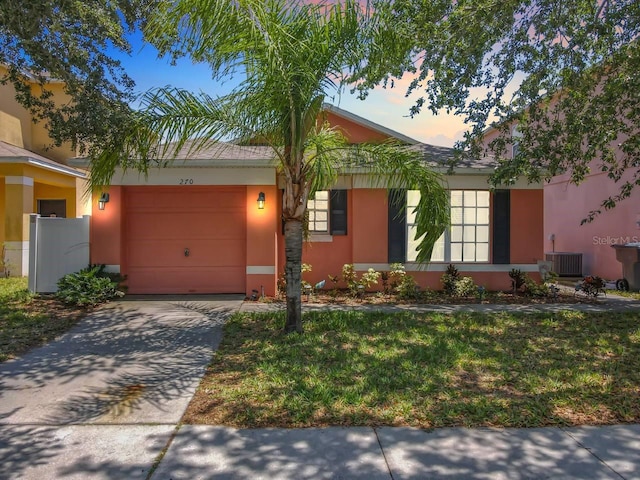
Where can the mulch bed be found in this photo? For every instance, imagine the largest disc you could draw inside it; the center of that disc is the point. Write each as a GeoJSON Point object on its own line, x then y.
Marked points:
{"type": "Point", "coordinates": [342, 297]}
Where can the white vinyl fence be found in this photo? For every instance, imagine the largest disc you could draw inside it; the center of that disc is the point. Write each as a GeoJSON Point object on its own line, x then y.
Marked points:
{"type": "Point", "coordinates": [57, 246]}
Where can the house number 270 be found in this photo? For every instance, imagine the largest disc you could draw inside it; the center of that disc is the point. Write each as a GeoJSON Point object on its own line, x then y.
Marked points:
{"type": "Point", "coordinates": [186, 181]}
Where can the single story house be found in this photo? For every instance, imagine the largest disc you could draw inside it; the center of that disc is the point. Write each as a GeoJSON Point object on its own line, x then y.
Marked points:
{"type": "Point", "coordinates": [198, 227]}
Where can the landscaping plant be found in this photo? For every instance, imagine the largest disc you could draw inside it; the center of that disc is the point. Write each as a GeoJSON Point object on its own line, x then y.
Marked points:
{"type": "Point", "coordinates": [396, 274]}
{"type": "Point", "coordinates": [408, 288]}
{"type": "Point", "coordinates": [464, 287]}
{"type": "Point", "coordinates": [88, 287]}
{"type": "Point", "coordinates": [518, 279]}
{"type": "Point", "coordinates": [449, 279]}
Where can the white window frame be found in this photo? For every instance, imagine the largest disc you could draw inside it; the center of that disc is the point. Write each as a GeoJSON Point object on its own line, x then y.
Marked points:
{"type": "Point", "coordinates": [320, 206]}
{"type": "Point", "coordinates": [462, 233]}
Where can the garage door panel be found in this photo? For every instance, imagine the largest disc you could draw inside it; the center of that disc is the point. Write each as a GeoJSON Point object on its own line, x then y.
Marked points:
{"type": "Point", "coordinates": [186, 280]}
{"type": "Point", "coordinates": [160, 222]}
{"type": "Point", "coordinates": [171, 199]}
{"type": "Point", "coordinates": [201, 253]}
{"type": "Point", "coordinates": [185, 225]}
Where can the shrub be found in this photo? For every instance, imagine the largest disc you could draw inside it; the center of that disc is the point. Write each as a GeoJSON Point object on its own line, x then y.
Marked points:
{"type": "Point", "coordinates": [350, 278]}
{"type": "Point", "coordinates": [407, 288]}
{"type": "Point", "coordinates": [306, 286]}
{"type": "Point", "coordinates": [370, 277]}
{"type": "Point", "coordinates": [518, 279]}
{"type": "Point", "coordinates": [89, 287]}
{"type": "Point", "coordinates": [357, 285]}
{"type": "Point", "coordinates": [534, 289]}
{"type": "Point", "coordinates": [464, 287]}
{"type": "Point", "coordinates": [334, 279]}
{"type": "Point", "coordinates": [384, 276]}
{"type": "Point", "coordinates": [449, 280]}
{"type": "Point", "coordinates": [396, 274]}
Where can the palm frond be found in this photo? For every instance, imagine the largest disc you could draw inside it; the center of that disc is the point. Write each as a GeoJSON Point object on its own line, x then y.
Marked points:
{"type": "Point", "coordinates": [390, 164]}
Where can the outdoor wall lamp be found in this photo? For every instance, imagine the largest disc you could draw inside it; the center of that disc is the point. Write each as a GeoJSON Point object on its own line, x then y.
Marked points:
{"type": "Point", "coordinates": [261, 200]}
{"type": "Point", "coordinates": [104, 199]}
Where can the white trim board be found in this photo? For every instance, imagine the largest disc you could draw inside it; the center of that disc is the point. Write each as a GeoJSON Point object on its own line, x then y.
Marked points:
{"type": "Point", "coordinates": [261, 270]}
{"type": "Point", "coordinates": [27, 181]}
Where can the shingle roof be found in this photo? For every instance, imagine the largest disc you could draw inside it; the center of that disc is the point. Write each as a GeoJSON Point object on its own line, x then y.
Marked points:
{"type": "Point", "coordinates": [437, 156]}
{"type": "Point", "coordinates": [224, 154]}
{"type": "Point", "coordinates": [225, 151]}
{"type": "Point", "coordinates": [12, 153]}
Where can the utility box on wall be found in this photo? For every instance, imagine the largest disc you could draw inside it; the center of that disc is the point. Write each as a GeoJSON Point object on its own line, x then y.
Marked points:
{"type": "Point", "coordinates": [57, 246]}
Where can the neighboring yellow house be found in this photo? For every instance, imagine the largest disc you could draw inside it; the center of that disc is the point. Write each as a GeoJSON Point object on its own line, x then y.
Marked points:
{"type": "Point", "coordinates": [33, 179]}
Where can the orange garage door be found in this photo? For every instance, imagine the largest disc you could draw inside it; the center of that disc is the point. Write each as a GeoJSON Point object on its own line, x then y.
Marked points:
{"type": "Point", "coordinates": [188, 239]}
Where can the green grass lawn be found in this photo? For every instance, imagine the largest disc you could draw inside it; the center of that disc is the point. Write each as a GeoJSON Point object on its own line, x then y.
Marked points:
{"type": "Point", "coordinates": [424, 370]}
{"type": "Point", "coordinates": [27, 321]}
{"type": "Point", "coordinates": [634, 295]}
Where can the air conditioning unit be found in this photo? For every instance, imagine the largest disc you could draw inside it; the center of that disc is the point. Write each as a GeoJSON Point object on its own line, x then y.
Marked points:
{"type": "Point", "coordinates": [565, 264]}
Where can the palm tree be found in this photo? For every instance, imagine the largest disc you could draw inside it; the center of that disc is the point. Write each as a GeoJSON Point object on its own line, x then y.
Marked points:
{"type": "Point", "coordinates": [291, 55]}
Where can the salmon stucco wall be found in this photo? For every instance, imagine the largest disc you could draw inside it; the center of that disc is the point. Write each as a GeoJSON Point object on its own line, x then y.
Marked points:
{"type": "Point", "coordinates": [527, 226]}
{"type": "Point", "coordinates": [369, 228]}
{"type": "Point", "coordinates": [354, 132]}
{"type": "Point", "coordinates": [106, 229]}
{"type": "Point", "coordinates": [568, 204]}
{"type": "Point", "coordinates": [262, 240]}
{"type": "Point", "coordinates": [325, 253]}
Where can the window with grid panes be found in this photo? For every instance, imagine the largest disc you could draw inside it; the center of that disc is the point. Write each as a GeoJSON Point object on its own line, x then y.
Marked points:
{"type": "Point", "coordinates": [468, 238]}
{"type": "Point", "coordinates": [318, 210]}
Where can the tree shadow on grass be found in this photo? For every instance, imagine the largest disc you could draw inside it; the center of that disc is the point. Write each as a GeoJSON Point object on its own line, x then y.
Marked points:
{"type": "Point", "coordinates": [424, 370]}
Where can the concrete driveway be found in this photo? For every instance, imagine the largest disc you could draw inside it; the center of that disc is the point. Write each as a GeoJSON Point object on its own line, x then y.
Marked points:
{"type": "Point", "coordinates": [114, 387]}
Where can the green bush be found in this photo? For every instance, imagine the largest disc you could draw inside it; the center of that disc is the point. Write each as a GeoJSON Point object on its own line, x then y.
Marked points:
{"type": "Point", "coordinates": [464, 287]}
{"type": "Point", "coordinates": [534, 289]}
{"type": "Point", "coordinates": [449, 280]}
{"type": "Point", "coordinates": [350, 278]}
{"type": "Point", "coordinates": [370, 277]}
{"type": "Point", "coordinates": [396, 274]}
{"type": "Point", "coordinates": [357, 286]}
{"type": "Point", "coordinates": [89, 287]}
{"type": "Point", "coordinates": [518, 279]}
{"type": "Point", "coordinates": [407, 289]}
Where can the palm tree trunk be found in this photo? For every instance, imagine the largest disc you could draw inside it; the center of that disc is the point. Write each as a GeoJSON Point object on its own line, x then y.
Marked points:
{"type": "Point", "coordinates": [293, 274]}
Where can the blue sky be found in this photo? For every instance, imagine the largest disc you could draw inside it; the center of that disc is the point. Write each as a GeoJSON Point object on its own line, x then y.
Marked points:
{"type": "Point", "coordinates": [387, 107]}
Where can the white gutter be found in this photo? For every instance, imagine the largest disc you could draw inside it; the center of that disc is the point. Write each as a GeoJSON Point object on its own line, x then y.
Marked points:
{"type": "Point", "coordinates": [59, 168]}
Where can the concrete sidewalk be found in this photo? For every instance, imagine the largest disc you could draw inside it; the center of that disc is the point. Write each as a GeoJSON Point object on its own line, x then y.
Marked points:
{"type": "Point", "coordinates": [105, 400]}
{"type": "Point", "coordinates": [205, 452]}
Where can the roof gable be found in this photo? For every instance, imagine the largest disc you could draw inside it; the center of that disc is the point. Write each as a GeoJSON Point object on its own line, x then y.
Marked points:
{"type": "Point", "coordinates": [360, 130]}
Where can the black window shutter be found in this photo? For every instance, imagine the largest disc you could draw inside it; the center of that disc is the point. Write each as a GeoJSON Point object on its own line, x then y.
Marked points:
{"type": "Point", "coordinates": [397, 234]}
{"type": "Point", "coordinates": [338, 212]}
{"type": "Point", "coordinates": [501, 235]}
